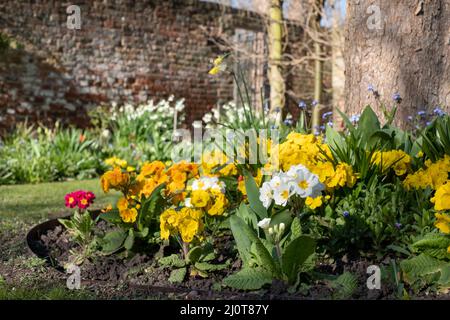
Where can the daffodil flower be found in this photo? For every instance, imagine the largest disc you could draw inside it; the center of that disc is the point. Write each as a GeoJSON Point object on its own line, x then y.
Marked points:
{"type": "Point", "coordinates": [219, 64]}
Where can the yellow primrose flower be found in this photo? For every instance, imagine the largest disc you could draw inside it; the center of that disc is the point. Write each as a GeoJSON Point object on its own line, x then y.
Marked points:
{"type": "Point", "coordinates": [218, 208]}
{"type": "Point", "coordinates": [200, 198]}
{"type": "Point", "coordinates": [116, 162]}
{"type": "Point", "coordinates": [395, 159]}
{"type": "Point", "coordinates": [442, 223]}
{"type": "Point", "coordinates": [186, 222]}
{"type": "Point", "coordinates": [441, 198]}
{"type": "Point", "coordinates": [128, 215]}
{"type": "Point", "coordinates": [342, 176]}
{"type": "Point", "coordinates": [122, 204]}
{"type": "Point", "coordinates": [314, 203]}
{"type": "Point", "coordinates": [113, 179]}
{"type": "Point", "coordinates": [168, 220]}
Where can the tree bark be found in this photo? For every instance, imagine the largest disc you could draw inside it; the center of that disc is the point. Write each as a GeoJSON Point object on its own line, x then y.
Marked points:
{"type": "Point", "coordinates": [405, 49]}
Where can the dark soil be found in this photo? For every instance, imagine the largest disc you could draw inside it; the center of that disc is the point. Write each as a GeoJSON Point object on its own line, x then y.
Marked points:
{"type": "Point", "coordinates": [141, 274]}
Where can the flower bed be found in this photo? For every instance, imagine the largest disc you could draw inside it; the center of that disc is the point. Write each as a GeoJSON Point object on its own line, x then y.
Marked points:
{"type": "Point", "coordinates": [311, 219]}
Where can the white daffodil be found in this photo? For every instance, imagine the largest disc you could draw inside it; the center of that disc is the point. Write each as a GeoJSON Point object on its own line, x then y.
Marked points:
{"type": "Point", "coordinates": [264, 223]}
{"type": "Point", "coordinates": [266, 194]}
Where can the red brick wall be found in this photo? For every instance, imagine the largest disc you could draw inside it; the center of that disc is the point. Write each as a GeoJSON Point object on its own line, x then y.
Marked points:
{"type": "Point", "coordinates": [126, 51]}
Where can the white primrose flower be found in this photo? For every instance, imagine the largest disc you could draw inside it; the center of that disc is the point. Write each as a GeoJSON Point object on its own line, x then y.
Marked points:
{"type": "Point", "coordinates": [187, 203]}
{"type": "Point", "coordinates": [264, 223]}
{"type": "Point", "coordinates": [266, 194]}
{"type": "Point", "coordinates": [304, 182]}
{"type": "Point", "coordinates": [277, 180]}
{"type": "Point", "coordinates": [207, 183]}
{"type": "Point", "coordinates": [281, 194]}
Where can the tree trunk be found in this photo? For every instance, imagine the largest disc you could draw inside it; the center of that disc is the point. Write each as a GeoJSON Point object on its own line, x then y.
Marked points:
{"type": "Point", "coordinates": [400, 46]}
{"type": "Point", "coordinates": [276, 79]}
{"type": "Point", "coordinates": [318, 85]}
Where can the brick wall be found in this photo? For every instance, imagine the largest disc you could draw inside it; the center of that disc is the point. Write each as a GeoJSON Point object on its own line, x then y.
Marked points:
{"type": "Point", "coordinates": [126, 51]}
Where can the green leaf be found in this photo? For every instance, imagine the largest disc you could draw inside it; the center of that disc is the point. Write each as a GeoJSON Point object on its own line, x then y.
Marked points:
{"type": "Point", "coordinates": [295, 255]}
{"type": "Point", "coordinates": [245, 238]}
{"type": "Point", "coordinates": [143, 233]}
{"type": "Point", "coordinates": [177, 275]}
{"type": "Point", "coordinates": [150, 207]}
{"type": "Point", "coordinates": [432, 241]}
{"type": "Point", "coordinates": [368, 124]}
{"type": "Point", "coordinates": [282, 217]}
{"type": "Point", "coordinates": [420, 266]}
{"type": "Point", "coordinates": [111, 216]}
{"type": "Point", "coordinates": [334, 138]}
{"type": "Point", "coordinates": [67, 223]}
{"type": "Point", "coordinates": [296, 228]}
{"type": "Point", "coordinates": [399, 249]}
{"type": "Point", "coordinates": [129, 241]}
{"type": "Point", "coordinates": [247, 215]}
{"type": "Point", "coordinates": [444, 280]}
{"type": "Point", "coordinates": [344, 286]}
{"type": "Point", "coordinates": [253, 196]}
{"type": "Point", "coordinates": [243, 242]}
{"type": "Point", "coordinates": [172, 261]}
{"type": "Point", "coordinates": [194, 254]}
{"type": "Point", "coordinates": [347, 121]}
{"type": "Point", "coordinates": [113, 241]}
{"type": "Point", "coordinates": [249, 279]}
{"type": "Point", "coordinates": [205, 266]}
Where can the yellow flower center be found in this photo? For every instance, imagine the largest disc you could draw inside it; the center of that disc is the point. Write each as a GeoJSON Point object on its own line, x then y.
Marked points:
{"type": "Point", "coordinates": [303, 184]}
{"type": "Point", "coordinates": [285, 194]}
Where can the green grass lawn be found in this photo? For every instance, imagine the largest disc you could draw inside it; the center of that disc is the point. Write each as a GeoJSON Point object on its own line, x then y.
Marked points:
{"type": "Point", "coordinates": [21, 207]}
{"type": "Point", "coordinates": [39, 201]}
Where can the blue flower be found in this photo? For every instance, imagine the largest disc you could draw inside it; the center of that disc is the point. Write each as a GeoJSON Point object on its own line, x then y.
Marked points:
{"type": "Point", "coordinates": [421, 113]}
{"type": "Point", "coordinates": [428, 123]}
{"type": "Point", "coordinates": [397, 98]}
{"type": "Point", "coordinates": [326, 115]}
{"type": "Point", "coordinates": [302, 105]}
{"type": "Point", "coordinates": [330, 123]}
{"type": "Point", "coordinates": [315, 103]}
{"type": "Point", "coordinates": [288, 122]}
{"type": "Point", "coordinates": [410, 118]}
{"type": "Point", "coordinates": [439, 112]}
{"type": "Point", "coordinates": [398, 225]}
{"type": "Point", "coordinates": [355, 118]}
{"type": "Point", "coordinates": [345, 214]}
{"type": "Point", "coordinates": [370, 88]}
{"type": "Point", "coordinates": [277, 109]}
